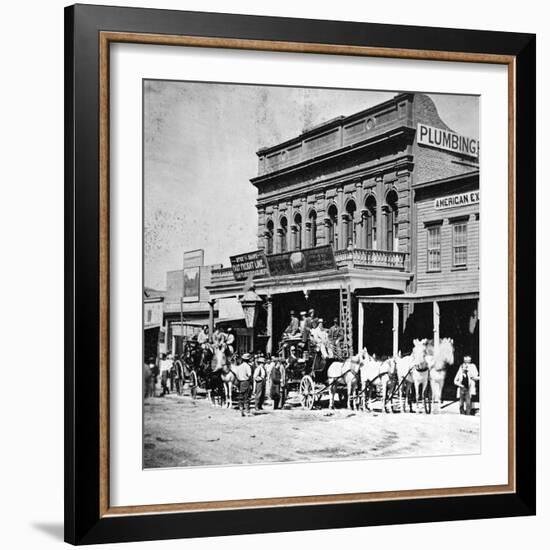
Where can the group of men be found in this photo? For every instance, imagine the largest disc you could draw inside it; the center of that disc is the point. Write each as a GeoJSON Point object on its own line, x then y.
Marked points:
{"type": "Point", "coordinates": [174, 372]}
{"type": "Point", "coordinates": [258, 376]}
{"type": "Point", "coordinates": [220, 338]}
{"type": "Point", "coordinates": [311, 331]}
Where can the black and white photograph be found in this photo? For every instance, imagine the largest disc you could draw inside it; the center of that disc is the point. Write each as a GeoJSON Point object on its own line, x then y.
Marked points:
{"type": "Point", "coordinates": [311, 274]}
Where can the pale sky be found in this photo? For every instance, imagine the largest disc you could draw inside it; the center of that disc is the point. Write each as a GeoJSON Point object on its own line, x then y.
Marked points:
{"type": "Point", "coordinates": [200, 143]}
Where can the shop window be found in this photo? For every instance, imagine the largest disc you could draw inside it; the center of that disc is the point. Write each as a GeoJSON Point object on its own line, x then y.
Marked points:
{"type": "Point", "coordinates": [370, 223]}
{"type": "Point", "coordinates": [332, 222]}
{"type": "Point", "coordinates": [297, 245]}
{"type": "Point", "coordinates": [434, 248]}
{"type": "Point", "coordinates": [283, 230]}
{"type": "Point", "coordinates": [313, 229]}
{"type": "Point", "coordinates": [391, 221]}
{"type": "Point", "coordinates": [349, 224]}
{"type": "Point", "coordinates": [149, 315]}
{"type": "Point", "coordinates": [269, 238]}
{"type": "Point", "coordinates": [460, 246]}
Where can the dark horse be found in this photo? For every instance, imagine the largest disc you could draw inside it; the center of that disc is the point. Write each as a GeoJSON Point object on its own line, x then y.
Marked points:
{"type": "Point", "coordinates": [211, 375]}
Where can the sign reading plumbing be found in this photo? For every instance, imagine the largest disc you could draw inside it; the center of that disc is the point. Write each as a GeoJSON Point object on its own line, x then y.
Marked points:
{"type": "Point", "coordinates": [449, 141]}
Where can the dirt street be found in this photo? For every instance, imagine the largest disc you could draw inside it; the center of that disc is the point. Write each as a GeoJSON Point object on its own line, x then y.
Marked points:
{"type": "Point", "coordinates": [181, 432]}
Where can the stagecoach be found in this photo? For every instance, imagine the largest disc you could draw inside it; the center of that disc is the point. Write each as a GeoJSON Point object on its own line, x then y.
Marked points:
{"type": "Point", "coordinates": [307, 376]}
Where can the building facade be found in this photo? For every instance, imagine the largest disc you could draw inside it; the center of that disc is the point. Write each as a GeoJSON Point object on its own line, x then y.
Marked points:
{"type": "Point", "coordinates": [153, 313]}
{"type": "Point", "coordinates": [395, 193]}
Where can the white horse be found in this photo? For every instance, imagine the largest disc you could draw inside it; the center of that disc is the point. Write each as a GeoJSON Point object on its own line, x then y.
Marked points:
{"type": "Point", "coordinates": [378, 374]}
{"type": "Point", "coordinates": [346, 372]}
{"type": "Point", "coordinates": [413, 370]}
{"type": "Point", "coordinates": [437, 362]}
{"type": "Point", "coordinates": [227, 376]}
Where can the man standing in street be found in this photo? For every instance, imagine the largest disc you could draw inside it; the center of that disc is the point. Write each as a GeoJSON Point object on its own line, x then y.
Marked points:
{"type": "Point", "coordinates": [277, 377]}
{"type": "Point", "coordinates": [165, 368]}
{"type": "Point", "coordinates": [465, 382]}
{"type": "Point", "coordinates": [259, 383]}
{"type": "Point", "coordinates": [243, 373]}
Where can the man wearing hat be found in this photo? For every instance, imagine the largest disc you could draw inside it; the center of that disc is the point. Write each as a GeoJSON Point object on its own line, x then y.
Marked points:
{"type": "Point", "coordinates": [277, 377]}
{"type": "Point", "coordinates": [230, 343]}
{"type": "Point", "coordinates": [294, 326]}
{"type": "Point", "coordinates": [243, 373]}
{"type": "Point", "coordinates": [259, 383]}
{"type": "Point", "coordinates": [465, 382]}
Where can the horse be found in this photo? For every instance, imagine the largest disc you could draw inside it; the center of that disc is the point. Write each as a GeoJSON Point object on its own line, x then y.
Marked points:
{"type": "Point", "coordinates": [223, 375]}
{"type": "Point", "coordinates": [412, 370]}
{"type": "Point", "coordinates": [378, 373]}
{"type": "Point", "coordinates": [438, 361]}
{"type": "Point", "coordinates": [347, 372]}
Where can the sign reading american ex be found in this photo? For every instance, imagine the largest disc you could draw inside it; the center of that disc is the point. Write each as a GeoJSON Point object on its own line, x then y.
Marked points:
{"type": "Point", "coordinates": [249, 264]}
{"type": "Point", "coordinates": [461, 199]}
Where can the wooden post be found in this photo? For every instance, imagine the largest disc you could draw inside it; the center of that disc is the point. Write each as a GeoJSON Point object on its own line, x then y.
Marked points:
{"type": "Point", "coordinates": [211, 319]}
{"type": "Point", "coordinates": [436, 325]}
{"type": "Point", "coordinates": [395, 329]}
{"type": "Point", "coordinates": [360, 325]}
{"type": "Point", "coordinates": [269, 343]}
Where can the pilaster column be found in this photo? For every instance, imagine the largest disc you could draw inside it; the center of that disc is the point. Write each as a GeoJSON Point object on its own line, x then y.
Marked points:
{"type": "Point", "coordinates": [340, 237]}
{"type": "Point", "coordinates": [395, 329]}
{"type": "Point", "coordinates": [269, 328]}
{"type": "Point", "coordinates": [211, 304]}
{"type": "Point", "coordinates": [436, 325]}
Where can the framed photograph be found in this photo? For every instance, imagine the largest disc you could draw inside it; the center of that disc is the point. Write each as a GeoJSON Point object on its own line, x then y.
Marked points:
{"type": "Point", "coordinates": [300, 287]}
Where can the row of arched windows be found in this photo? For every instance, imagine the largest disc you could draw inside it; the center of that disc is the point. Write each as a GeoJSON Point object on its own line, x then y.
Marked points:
{"type": "Point", "coordinates": [353, 223]}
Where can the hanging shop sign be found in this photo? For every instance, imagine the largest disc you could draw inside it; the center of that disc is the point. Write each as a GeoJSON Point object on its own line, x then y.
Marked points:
{"type": "Point", "coordinates": [250, 264]}
{"type": "Point", "coordinates": [449, 141]}
{"type": "Point", "coordinates": [319, 258]}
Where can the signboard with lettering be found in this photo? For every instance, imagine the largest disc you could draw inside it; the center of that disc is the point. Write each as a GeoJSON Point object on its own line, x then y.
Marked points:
{"type": "Point", "coordinates": [319, 258]}
{"type": "Point", "coordinates": [249, 264]}
{"type": "Point", "coordinates": [449, 141]}
{"type": "Point", "coordinates": [460, 199]}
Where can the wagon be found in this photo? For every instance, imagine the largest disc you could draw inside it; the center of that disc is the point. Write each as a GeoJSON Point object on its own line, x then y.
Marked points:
{"type": "Point", "coordinates": [307, 376]}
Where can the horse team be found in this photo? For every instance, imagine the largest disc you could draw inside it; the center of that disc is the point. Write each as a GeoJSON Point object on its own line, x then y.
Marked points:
{"type": "Point", "coordinates": [424, 368]}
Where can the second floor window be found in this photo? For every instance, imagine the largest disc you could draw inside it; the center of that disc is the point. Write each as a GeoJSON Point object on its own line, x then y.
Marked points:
{"type": "Point", "coordinates": [434, 248]}
{"type": "Point", "coordinates": [460, 246]}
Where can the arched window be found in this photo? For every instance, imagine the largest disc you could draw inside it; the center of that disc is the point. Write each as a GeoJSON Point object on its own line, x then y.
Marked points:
{"type": "Point", "coordinates": [349, 225]}
{"type": "Point", "coordinates": [332, 224]}
{"type": "Point", "coordinates": [391, 221]}
{"type": "Point", "coordinates": [312, 229]}
{"type": "Point", "coordinates": [370, 223]}
{"type": "Point", "coordinates": [283, 231]}
{"type": "Point", "coordinates": [269, 237]}
{"type": "Point", "coordinates": [297, 230]}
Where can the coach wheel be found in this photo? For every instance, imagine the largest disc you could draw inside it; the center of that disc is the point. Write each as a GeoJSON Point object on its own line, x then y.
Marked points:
{"type": "Point", "coordinates": [428, 400]}
{"type": "Point", "coordinates": [307, 392]}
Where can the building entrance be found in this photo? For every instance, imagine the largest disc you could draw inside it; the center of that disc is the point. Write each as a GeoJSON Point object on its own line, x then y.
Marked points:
{"type": "Point", "coordinates": [378, 329]}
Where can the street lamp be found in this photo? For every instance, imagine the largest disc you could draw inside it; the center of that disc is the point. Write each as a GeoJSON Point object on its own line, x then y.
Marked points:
{"type": "Point", "coordinates": [251, 303]}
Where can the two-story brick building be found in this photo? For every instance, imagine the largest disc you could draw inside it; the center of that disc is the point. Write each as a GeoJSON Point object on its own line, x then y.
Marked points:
{"type": "Point", "coordinates": [395, 193]}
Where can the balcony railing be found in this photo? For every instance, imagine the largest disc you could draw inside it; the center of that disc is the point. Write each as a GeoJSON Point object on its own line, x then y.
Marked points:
{"type": "Point", "coordinates": [362, 258]}
{"type": "Point", "coordinates": [357, 257]}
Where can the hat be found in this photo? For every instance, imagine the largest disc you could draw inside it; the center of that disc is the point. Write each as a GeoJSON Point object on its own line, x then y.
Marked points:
{"type": "Point", "coordinates": [303, 312]}
{"type": "Point", "coordinates": [260, 360]}
{"type": "Point", "coordinates": [467, 357]}
{"type": "Point", "coordinates": [311, 310]}
{"type": "Point", "coordinates": [292, 312]}
{"type": "Point", "coordinates": [229, 328]}
{"type": "Point", "coordinates": [320, 320]}
{"type": "Point", "coordinates": [246, 356]}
